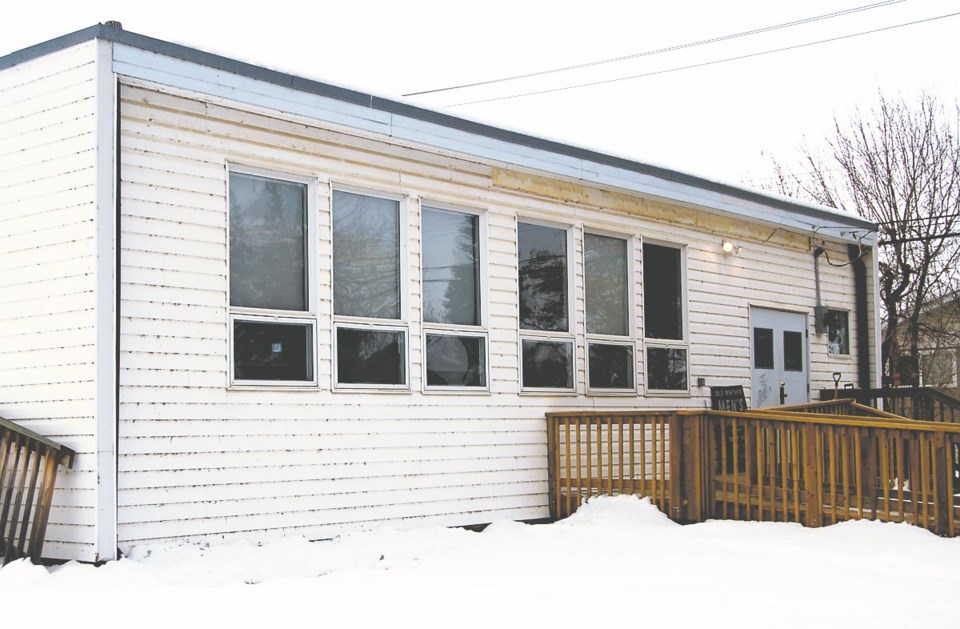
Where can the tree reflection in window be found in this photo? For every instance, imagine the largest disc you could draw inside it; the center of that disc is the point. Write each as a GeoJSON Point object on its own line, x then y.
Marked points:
{"type": "Point", "coordinates": [543, 278]}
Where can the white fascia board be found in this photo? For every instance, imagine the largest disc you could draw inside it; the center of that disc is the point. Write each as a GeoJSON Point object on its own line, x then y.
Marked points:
{"type": "Point", "coordinates": [193, 77]}
{"type": "Point", "coordinates": [106, 286]}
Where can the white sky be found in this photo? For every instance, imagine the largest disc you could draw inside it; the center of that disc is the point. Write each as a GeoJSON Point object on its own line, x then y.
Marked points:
{"type": "Point", "coordinates": [722, 121]}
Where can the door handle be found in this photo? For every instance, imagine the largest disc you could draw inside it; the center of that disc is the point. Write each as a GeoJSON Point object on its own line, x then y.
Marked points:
{"type": "Point", "coordinates": [783, 393]}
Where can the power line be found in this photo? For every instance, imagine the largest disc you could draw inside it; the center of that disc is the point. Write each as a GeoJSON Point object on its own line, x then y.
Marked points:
{"type": "Point", "coordinates": [648, 53]}
{"type": "Point", "coordinates": [706, 63]}
{"type": "Point", "coordinates": [897, 241]}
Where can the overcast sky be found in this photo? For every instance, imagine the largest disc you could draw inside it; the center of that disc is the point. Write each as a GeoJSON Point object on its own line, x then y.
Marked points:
{"type": "Point", "coordinates": [723, 120]}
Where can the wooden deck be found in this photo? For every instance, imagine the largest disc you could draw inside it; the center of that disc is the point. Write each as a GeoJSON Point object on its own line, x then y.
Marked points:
{"type": "Point", "coordinates": [817, 464]}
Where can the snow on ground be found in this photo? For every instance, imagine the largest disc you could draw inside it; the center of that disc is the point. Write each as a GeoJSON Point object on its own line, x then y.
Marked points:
{"type": "Point", "coordinates": [618, 562]}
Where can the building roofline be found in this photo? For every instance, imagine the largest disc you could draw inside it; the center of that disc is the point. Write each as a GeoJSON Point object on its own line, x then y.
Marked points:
{"type": "Point", "coordinates": [111, 33]}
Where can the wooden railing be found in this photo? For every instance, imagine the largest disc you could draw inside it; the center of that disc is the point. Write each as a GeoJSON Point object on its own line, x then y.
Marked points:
{"type": "Point", "coordinates": [923, 403]}
{"type": "Point", "coordinates": [814, 469]}
{"type": "Point", "coordinates": [28, 474]}
{"type": "Point", "coordinates": [841, 406]}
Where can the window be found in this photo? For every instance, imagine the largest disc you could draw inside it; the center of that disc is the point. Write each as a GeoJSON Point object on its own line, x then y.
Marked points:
{"type": "Point", "coordinates": [838, 331]}
{"type": "Point", "coordinates": [547, 343]}
{"type": "Point", "coordinates": [456, 344]}
{"type": "Point", "coordinates": [938, 367]}
{"type": "Point", "coordinates": [370, 335]}
{"type": "Point", "coordinates": [272, 328]}
{"type": "Point", "coordinates": [762, 348]}
{"type": "Point", "coordinates": [609, 344]}
{"type": "Point", "coordinates": [792, 351]}
{"type": "Point", "coordinates": [664, 318]}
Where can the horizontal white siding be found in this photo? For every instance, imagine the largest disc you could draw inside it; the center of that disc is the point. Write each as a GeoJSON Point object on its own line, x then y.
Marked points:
{"type": "Point", "coordinates": [198, 459]}
{"type": "Point", "coordinates": [47, 274]}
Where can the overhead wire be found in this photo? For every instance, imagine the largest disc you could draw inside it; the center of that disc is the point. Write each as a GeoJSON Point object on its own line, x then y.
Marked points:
{"type": "Point", "coordinates": [648, 53]}
{"type": "Point", "coordinates": [707, 63]}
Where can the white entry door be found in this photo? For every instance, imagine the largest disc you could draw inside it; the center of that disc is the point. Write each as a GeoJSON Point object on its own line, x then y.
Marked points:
{"type": "Point", "coordinates": [779, 357]}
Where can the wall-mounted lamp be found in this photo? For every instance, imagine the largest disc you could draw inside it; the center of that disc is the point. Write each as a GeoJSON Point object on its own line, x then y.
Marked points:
{"type": "Point", "coordinates": [730, 247]}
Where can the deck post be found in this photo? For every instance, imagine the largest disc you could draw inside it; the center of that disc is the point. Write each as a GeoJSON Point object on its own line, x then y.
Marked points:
{"type": "Point", "coordinates": [553, 478]}
{"type": "Point", "coordinates": [677, 493]}
{"type": "Point", "coordinates": [943, 464]}
{"type": "Point", "coordinates": [811, 474]}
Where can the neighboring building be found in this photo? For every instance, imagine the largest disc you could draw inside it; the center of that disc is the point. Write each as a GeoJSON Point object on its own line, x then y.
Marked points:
{"type": "Point", "coordinates": [939, 328]}
{"type": "Point", "coordinates": [257, 305]}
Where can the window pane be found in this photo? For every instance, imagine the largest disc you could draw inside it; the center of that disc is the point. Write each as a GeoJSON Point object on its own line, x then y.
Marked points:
{"type": "Point", "coordinates": [667, 368]}
{"type": "Point", "coordinates": [366, 256]}
{"type": "Point", "coordinates": [267, 243]}
{"type": "Point", "coordinates": [838, 332]}
{"type": "Point", "coordinates": [606, 284]}
{"type": "Point", "coordinates": [611, 366]}
{"type": "Point", "coordinates": [763, 348]}
{"type": "Point", "coordinates": [370, 356]}
{"type": "Point", "coordinates": [456, 361]}
{"type": "Point", "coordinates": [543, 278]}
{"type": "Point", "coordinates": [547, 364]}
{"type": "Point", "coordinates": [793, 351]}
{"type": "Point", "coordinates": [451, 267]}
{"type": "Point", "coordinates": [937, 368]}
{"type": "Point", "coordinates": [662, 293]}
{"type": "Point", "coordinates": [272, 351]}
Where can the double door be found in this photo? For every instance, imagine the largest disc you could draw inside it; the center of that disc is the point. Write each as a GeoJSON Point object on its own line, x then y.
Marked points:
{"type": "Point", "coordinates": [779, 357]}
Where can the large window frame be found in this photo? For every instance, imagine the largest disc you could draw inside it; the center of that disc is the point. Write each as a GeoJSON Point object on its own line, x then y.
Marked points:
{"type": "Point", "coordinates": [629, 338]}
{"type": "Point", "coordinates": [306, 317]}
{"type": "Point", "coordinates": [432, 328]}
{"type": "Point", "coordinates": [654, 343]}
{"type": "Point", "coordinates": [568, 337]}
{"type": "Point", "coordinates": [401, 324]}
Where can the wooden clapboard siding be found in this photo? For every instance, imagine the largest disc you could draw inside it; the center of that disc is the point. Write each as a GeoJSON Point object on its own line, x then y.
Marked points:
{"type": "Point", "coordinates": [47, 274]}
{"type": "Point", "coordinates": [198, 459]}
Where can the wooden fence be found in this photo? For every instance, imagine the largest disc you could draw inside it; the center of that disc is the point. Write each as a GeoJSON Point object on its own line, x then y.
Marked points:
{"type": "Point", "coordinates": [28, 474]}
{"type": "Point", "coordinates": [786, 466]}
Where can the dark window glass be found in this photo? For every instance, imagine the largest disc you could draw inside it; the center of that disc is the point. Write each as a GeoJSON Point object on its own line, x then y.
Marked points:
{"type": "Point", "coordinates": [451, 267]}
{"type": "Point", "coordinates": [662, 293]}
{"type": "Point", "coordinates": [370, 356]}
{"type": "Point", "coordinates": [611, 366]}
{"type": "Point", "coordinates": [838, 332]}
{"type": "Point", "coordinates": [605, 262]}
{"type": "Point", "coordinates": [366, 256]}
{"type": "Point", "coordinates": [666, 369]}
{"type": "Point", "coordinates": [272, 351]}
{"type": "Point", "coordinates": [267, 243]}
{"type": "Point", "coordinates": [547, 364]}
{"type": "Point", "coordinates": [793, 351]}
{"type": "Point", "coordinates": [457, 361]}
{"type": "Point", "coordinates": [543, 278]}
{"type": "Point", "coordinates": [763, 348]}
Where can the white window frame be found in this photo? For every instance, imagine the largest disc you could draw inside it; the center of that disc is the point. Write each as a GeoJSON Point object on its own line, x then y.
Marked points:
{"type": "Point", "coordinates": [447, 329]}
{"type": "Point", "coordinates": [352, 324]}
{"type": "Point", "coordinates": [288, 320]}
{"type": "Point", "coordinates": [570, 336]}
{"type": "Point", "coordinates": [243, 313]}
{"type": "Point", "coordinates": [849, 353]}
{"type": "Point", "coordinates": [655, 343]}
{"type": "Point", "coordinates": [630, 339]}
{"type": "Point", "coordinates": [386, 325]}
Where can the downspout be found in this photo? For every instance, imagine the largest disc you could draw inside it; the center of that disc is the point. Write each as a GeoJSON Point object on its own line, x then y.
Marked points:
{"type": "Point", "coordinates": [819, 310]}
{"type": "Point", "coordinates": [856, 254]}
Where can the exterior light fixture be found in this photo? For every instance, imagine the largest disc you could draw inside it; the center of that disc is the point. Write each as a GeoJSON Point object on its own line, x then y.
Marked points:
{"type": "Point", "coordinates": [729, 247]}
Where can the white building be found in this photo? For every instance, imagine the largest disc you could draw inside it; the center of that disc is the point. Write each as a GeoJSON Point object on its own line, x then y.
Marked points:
{"type": "Point", "coordinates": [256, 304]}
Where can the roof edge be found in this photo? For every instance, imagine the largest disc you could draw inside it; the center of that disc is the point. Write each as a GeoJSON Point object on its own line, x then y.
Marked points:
{"type": "Point", "coordinates": [276, 77]}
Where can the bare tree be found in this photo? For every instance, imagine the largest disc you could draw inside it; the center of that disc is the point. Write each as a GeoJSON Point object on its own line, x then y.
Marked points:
{"type": "Point", "coordinates": [897, 164]}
